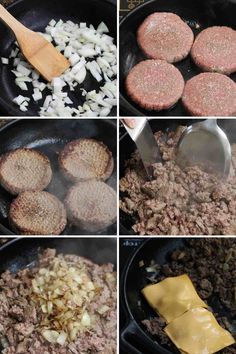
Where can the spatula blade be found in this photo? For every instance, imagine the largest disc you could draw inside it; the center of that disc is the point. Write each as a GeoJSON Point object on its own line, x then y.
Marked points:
{"type": "Point", "coordinates": [42, 55]}
{"type": "Point", "coordinates": [148, 149]}
{"type": "Point", "coordinates": [49, 62]}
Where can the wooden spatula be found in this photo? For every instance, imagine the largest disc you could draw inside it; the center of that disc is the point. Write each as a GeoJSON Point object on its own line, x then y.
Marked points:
{"type": "Point", "coordinates": [40, 53]}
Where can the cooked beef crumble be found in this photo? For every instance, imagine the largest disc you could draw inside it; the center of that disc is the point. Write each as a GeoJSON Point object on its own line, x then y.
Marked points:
{"type": "Point", "coordinates": [178, 201]}
{"type": "Point", "coordinates": [20, 316]}
{"type": "Point", "coordinates": [210, 263]}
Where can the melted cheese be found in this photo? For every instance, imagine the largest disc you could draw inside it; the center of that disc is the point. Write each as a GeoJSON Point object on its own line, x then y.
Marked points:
{"type": "Point", "coordinates": [198, 332]}
{"type": "Point", "coordinates": [172, 297]}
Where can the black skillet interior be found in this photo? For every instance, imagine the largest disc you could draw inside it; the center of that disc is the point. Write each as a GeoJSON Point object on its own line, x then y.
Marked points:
{"type": "Point", "coordinates": [23, 252]}
{"type": "Point", "coordinates": [127, 147]}
{"type": "Point", "coordinates": [36, 14]}
{"type": "Point", "coordinates": [50, 136]}
{"type": "Point", "coordinates": [134, 279]}
{"type": "Point", "coordinates": [204, 13]}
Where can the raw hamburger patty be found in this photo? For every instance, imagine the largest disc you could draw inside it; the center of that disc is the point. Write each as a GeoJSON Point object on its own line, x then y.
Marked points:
{"type": "Point", "coordinates": [85, 159]}
{"type": "Point", "coordinates": [24, 169]}
{"type": "Point", "coordinates": [215, 50]}
{"type": "Point", "coordinates": [210, 94]}
{"type": "Point", "coordinates": [164, 35]}
{"type": "Point", "coordinates": [37, 213]}
{"type": "Point", "coordinates": [91, 205]}
{"type": "Point", "coordinates": [155, 84]}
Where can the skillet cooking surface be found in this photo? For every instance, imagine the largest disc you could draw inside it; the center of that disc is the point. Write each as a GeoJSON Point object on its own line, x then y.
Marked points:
{"type": "Point", "coordinates": [134, 280]}
{"type": "Point", "coordinates": [50, 136]}
{"type": "Point", "coordinates": [36, 14]}
{"type": "Point", "coordinates": [127, 147]}
{"type": "Point", "coordinates": [204, 13]}
{"type": "Point", "coordinates": [21, 252]}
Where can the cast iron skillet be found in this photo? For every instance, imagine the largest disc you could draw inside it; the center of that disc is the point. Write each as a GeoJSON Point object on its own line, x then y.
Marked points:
{"type": "Point", "coordinates": [22, 252]}
{"type": "Point", "coordinates": [36, 14]}
{"type": "Point", "coordinates": [204, 13]}
{"type": "Point", "coordinates": [134, 337]}
{"type": "Point", "coordinates": [127, 147]}
{"type": "Point", "coordinates": [50, 136]}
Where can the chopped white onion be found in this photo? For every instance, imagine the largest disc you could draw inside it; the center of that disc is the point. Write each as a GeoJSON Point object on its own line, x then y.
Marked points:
{"type": "Point", "coordinates": [90, 51]}
{"type": "Point", "coordinates": [5, 60]}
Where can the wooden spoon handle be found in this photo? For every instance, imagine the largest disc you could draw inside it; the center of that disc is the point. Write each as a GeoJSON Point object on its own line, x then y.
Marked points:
{"type": "Point", "coordinates": [10, 21]}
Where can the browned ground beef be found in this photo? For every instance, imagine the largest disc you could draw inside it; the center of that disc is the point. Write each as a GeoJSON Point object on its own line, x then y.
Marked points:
{"type": "Point", "coordinates": [19, 316]}
{"type": "Point", "coordinates": [210, 263]}
{"type": "Point", "coordinates": [177, 201]}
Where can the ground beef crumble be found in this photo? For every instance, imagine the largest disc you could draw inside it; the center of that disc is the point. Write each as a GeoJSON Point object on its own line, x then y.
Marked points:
{"type": "Point", "coordinates": [178, 201]}
{"type": "Point", "coordinates": [19, 316]}
{"type": "Point", "coordinates": [210, 263]}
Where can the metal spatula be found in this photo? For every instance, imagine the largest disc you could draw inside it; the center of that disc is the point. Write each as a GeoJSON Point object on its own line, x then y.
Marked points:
{"type": "Point", "coordinates": [40, 53]}
{"type": "Point", "coordinates": [206, 145]}
{"type": "Point", "coordinates": [147, 146]}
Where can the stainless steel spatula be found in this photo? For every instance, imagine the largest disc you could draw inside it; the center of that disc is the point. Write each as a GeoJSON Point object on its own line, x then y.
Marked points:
{"type": "Point", "coordinates": [147, 146]}
{"type": "Point", "coordinates": [206, 145]}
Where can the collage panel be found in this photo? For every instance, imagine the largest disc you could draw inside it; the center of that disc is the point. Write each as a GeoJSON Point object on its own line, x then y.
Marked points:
{"type": "Point", "coordinates": [58, 295]}
{"type": "Point", "coordinates": [177, 295]}
{"type": "Point", "coordinates": [117, 215]}
{"type": "Point", "coordinates": [58, 176]}
{"type": "Point", "coordinates": [179, 181]}
{"type": "Point", "coordinates": [60, 59]}
{"type": "Point", "coordinates": [177, 58]}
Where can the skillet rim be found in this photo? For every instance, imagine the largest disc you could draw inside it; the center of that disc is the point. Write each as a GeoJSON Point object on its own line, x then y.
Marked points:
{"type": "Point", "coordinates": [14, 242]}
{"type": "Point", "coordinates": [129, 316]}
{"type": "Point", "coordinates": [7, 243]}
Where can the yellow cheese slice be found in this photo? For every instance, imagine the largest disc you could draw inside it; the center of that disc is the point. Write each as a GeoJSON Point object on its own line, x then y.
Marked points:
{"type": "Point", "coordinates": [172, 297]}
{"type": "Point", "coordinates": [198, 332]}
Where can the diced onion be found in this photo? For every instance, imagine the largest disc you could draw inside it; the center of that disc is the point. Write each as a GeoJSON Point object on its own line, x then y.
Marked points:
{"type": "Point", "coordinates": [5, 60]}
{"type": "Point", "coordinates": [90, 52]}
{"type": "Point", "coordinates": [63, 293]}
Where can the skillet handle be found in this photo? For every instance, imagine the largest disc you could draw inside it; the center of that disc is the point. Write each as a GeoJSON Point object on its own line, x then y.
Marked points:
{"type": "Point", "coordinates": [132, 338]}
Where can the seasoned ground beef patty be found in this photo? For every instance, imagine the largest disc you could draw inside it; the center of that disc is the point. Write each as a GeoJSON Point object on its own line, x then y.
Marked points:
{"type": "Point", "coordinates": [37, 213]}
{"type": "Point", "coordinates": [21, 317]}
{"type": "Point", "coordinates": [23, 170]}
{"type": "Point", "coordinates": [210, 94]}
{"type": "Point", "coordinates": [177, 201]}
{"type": "Point", "coordinates": [214, 49]}
{"type": "Point", "coordinates": [85, 159]}
{"type": "Point", "coordinates": [163, 35]}
{"type": "Point", "coordinates": [91, 205]}
{"type": "Point", "coordinates": [154, 84]}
